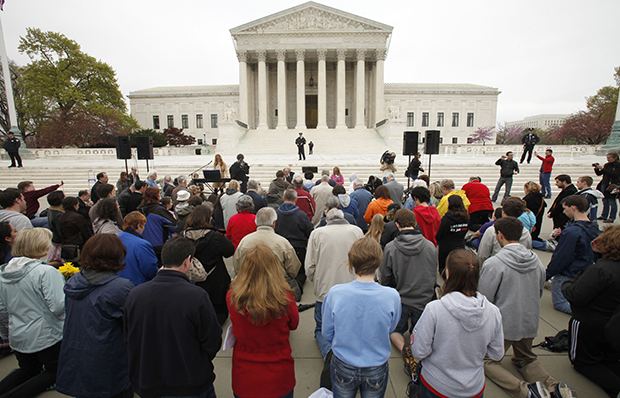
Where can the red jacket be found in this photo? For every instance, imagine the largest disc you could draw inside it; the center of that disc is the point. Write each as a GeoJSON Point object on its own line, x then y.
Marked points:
{"type": "Point", "coordinates": [305, 202]}
{"type": "Point", "coordinates": [479, 196]}
{"type": "Point", "coordinates": [240, 225]}
{"type": "Point", "coordinates": [32, 199]}
{"type": "Point", "coordinates": [262, 364]}
{"type": "Point", "coordinates": [427, 217]}
{"type": "Point", "coordinates": [547, 163]}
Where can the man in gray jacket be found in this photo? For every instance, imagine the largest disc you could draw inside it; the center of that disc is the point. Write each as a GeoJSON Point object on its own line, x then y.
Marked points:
{"type": "Point", "coordinates": [513, 280]}
{"type": "Point", "coordinates": [410, 266]}
{"type": "Point", "coordinates": [395, 187]}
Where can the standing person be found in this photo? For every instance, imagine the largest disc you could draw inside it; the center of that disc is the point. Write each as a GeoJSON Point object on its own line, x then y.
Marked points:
{"type": "Point", "coordinates": [611, 178]}
{"type": "Point", "coordinates": [244, 222]}
{"type": "Point", "coordinates": [13, 206]}
{"type": "Point", "coordinates": [379, 205]}
{"type": "Point", "coordinates": [219, 164]}
{"type": "Point", "coordinates": [133, 175]}
{"type": "Point", "coordinates": [481, 208]}
{"type": "Point", "coordinates": [594, 296]}
{"type": "Point", "coordinates": [514, 281]}
{"type": "Point", "coordinates": [102, 178]}
{"type": "Point", "coordinates": [320, 193]}
{"type": "Point", "coordinates": [31, 293]}
{"type": "Point", "coordinates": [414, 167]}
{"type": "Point", "coordinates": [239, 171]}
{"type": "Point", "coordinates": [140, 260]}
{"type": "Point", "coordinates": [409, 265]}
{"type": "Point", "coordinates": [160, 223]}
{"type": "Point", "coordinates": [262, 312]}
{"type": "Point", "coordinates": [11, 146]}
{"type": "Point", "coordinates": [32, 196]}
{"type": "Point", "coordinates": [279, 184]}
{"type": "Point", "coordinates": [300, 142]}
{"type": "Point", "coordinates": [556, 212]}
{"type": "Point", "coordinates": [427, 217]}
{"type": "Point", "coordinates": [93, 356]}
{"type": "Point", "coordinates": [574, 250]}
{"type": "Point", "coordinates": [376, 228]}
{"type": "Point", "coordinates": [172, 309]}
{"type": "Point", "coordinates": [584, 186]}
{"type": "Point", "coordinates": [106, 222]}
{"type": "Point", "coordinates": [229, 199]}
{"type": "Point", "coordinates": [7, 237]}
{"type": "Point", "coordinates": [395, 187]}
{"type": "Point", "coordinates": [535, 202]}
{"type": "Point", "coordinates": [252, 192]}
{"type": "Point", "coordinates": [337, 176]}
{"type": "Point", "coordinates": [84, 203]}
{"type": "Point", "coordinates": [211, 249]}
{"type": "Point", "coordinates": [363, 197]}
{"type": "Point", "coordinates": [134, 200]}
{"type": "Point", "coordinates": [508, 168]}
{"type": "Point", "coordinates": [325, 264]}
{"type": "Point", "coordinates": [122, 183]}
{"type": "Point", "coordinates": [545, 172]}
{"type": "Point", "coordinates": [452, 230]}
{"type": "Point", "coordinates": [305, 202]}
{"type": "Point", "coordinates": [360, 360]}
{"type": "Point", "coordinates": [310, 147]}
{"type": "Point", "coordinates": [455, 333]}
{"type": "Point", "coordinates": [74, 229]}
{"type": "Point", "coordinates": [529, 140]}
{"type": "Point", "coordinates": [387, 161]}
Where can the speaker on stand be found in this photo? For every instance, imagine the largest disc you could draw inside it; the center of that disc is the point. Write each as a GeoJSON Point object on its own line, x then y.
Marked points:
{"type": "Point", "coordinates": [123, 149]}
{"type": "Point", "coordinates": [410, 147]}
{"type": "Point", "coordinates": [431, 146]}
{"type": "Point", "coordinates": [145, 149]}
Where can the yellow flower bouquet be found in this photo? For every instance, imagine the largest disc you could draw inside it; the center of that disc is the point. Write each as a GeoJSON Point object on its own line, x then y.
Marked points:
{"type": "Point", "coordinates": [68, 270]}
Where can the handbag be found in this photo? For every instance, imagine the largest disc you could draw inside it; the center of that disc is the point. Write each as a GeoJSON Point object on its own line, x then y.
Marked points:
{"type": "Point", "coordinates": [197, 272]}
{"type": "Point", "coordinates": [611, 187]}
{"type": "Point", "coordinates": [70, 253]}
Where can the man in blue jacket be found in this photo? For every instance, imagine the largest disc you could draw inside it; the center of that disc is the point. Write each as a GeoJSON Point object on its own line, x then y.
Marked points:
{"type": "Point", "coordinates": [574, 249]}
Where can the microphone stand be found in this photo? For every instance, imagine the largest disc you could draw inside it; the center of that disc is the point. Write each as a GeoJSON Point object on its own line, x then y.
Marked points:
{"type": "Point", "coordinates": [198, 169]}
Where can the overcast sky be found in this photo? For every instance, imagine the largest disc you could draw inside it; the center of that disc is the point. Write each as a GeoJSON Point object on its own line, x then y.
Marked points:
{"type": "Point", "coordinates": [544, 56]}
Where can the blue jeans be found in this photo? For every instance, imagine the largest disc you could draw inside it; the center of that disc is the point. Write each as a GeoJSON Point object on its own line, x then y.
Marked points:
{"type": "Point", "coordinates": [210, 393]}
{"type": "Point", "coordinates": [426, 393]}
{"type": "Point", "coordinates": [539, 245]}
{"type": "Point", "coordinates": [406, 314]}
{"type": "Point", "coordinates": [498, 187]}
{"type": "Point", "coordinates": [40, 222]}
{"type": "Point", "coordinates": [324, 345]}
{"type": "Point", "coordinates": [289, 395]}
{"type": "Point", "coordinates": [610, 208]}
{"type": "Point", "coordinates": [544, 178]}
{"type": "Point", "coordinates": [559, 302]}
{"type": "Point", "coordinates": [346, 380]}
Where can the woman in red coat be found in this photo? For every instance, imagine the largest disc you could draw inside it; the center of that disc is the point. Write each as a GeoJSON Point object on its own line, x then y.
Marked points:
{"type": "Point", "coordinates": [263, 312]}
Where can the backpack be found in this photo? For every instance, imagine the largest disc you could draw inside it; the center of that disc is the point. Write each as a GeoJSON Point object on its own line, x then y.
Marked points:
{"type": "Point", "coordinates": [557, 343]}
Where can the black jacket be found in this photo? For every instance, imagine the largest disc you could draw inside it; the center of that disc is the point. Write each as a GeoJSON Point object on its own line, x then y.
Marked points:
{"type": "Point", "coordinates": [94, 196]}
{"type": "Point", "coordinates": [74, 228]}
{"type": "Point", "coordinates": [530, 139]}
{"type": "Point", "coordinates": [594, 294]}
{"type": "Point", "coordinates": [508, 167]}
{"type": "Point", "coordinates": [557, 211]}
{"type": "Point", "coordinates": [239, 171]}
{"type": "Point", "coordinates": [611, 175]}
{"type": "Point", "coordinates": [259, 200]}
{"type": "Point", "coordinates": [172, 336]}
{"type": "Point", "coordinates": [414, 168]}
{"type": "Point", "coordinates": [294, 225]}
{"type": "Point", "coordinates": [11, 145]}
{"type": "Point", "coordinates": [133, 201]}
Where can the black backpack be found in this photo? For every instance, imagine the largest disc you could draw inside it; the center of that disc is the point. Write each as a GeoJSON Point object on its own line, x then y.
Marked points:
{"type": "Point", "coordinates": [557, 343]}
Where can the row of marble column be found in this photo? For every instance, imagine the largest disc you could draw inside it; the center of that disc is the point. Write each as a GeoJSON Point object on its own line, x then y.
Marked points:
{"type": "Point", "coordinates": [261, 56]}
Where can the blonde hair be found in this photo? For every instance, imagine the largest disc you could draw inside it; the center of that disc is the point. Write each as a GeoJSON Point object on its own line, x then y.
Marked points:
{"type": "Point", "coordinates": [531, 187]}
{"type": "Point", "coordinates": [435, 190]}
{"type": "Point", "coordinates": [260, 291]}
{"type": "Point", "coordinates": [32, 243]}
{"type": "Point", "coordinates": [234, 184]}
{"type": "Point", "coordinates": [376, 227]}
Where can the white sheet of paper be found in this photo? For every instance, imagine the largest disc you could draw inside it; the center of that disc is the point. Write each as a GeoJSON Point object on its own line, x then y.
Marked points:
{"type": "Point", "coordinates": [229, 340]}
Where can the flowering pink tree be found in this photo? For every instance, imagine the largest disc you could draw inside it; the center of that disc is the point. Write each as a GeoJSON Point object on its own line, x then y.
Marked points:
{"type": "Point", "coordinates": [482, 134]}
{"type": "Point", "coordinates": [508, 134]}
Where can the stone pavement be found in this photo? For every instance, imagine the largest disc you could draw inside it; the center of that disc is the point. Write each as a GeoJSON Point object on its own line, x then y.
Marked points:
{"type": "Point", "coordinates": [308, 361]}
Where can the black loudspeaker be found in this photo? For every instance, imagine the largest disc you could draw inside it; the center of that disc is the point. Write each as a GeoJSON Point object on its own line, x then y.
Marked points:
{"type": "Point", "coordinates": [410, 143]}
{"type": "Point", "coordinates": [432, 142]}
{"type": "Point", "coordinates": [123, 148]}
{"type": "Point", "coordinates": [145, 147]}
{"type": "Point", "coordinates": [313, 169]}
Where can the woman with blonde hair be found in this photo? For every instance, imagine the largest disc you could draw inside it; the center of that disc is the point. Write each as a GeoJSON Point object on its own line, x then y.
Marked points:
{"type": "Point", "coordinates": [219, 164]}
{"type": "Point", "coordinates": [31, 292]}
{"type": "Point", "coordinates": [376, 227]}
{"type": "Point", "coordinates": [337, 176]}
{"type": "Point", "coordinates": [436, 193]}
{"type": "Point", "coordinates": [535, 202]}
{"type": "Point", "coordinates": [123, 183]}
{"type": "Point", "coordinates": [263, 312]}
{"type": "Point", "coordinates": [229, 199]}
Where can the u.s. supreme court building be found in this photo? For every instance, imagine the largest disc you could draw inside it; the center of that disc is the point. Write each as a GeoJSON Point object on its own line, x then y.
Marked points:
{"type": "Point", "coordinates": [319, 70]}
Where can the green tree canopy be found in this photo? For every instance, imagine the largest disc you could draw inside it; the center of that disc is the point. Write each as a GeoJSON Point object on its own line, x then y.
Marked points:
{"type": "Point", "coordinates": [70, 98]}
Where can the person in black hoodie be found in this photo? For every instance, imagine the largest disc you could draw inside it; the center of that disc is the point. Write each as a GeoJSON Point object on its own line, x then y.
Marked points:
{"type": "Point", "coordinates": [294, 225]}
{"type": "Point", "coordinates": [611, 179]}
{"type": "Point", "coordinates": [135, 198]}
{"type": "Point", "coordinates": [594, 295]}
{"type": "Point", "coordinates": [556, 212]}
{"type": "Point", "coordinates": [175, 320]}
{"type": "Point", "coordinates": [535, 202]}
{"type": "Point", "coordinates": [452, 230]}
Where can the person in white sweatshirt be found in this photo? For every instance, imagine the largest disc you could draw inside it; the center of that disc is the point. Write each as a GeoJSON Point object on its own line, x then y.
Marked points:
{"type": "Point", "coordinates": [455, 333]}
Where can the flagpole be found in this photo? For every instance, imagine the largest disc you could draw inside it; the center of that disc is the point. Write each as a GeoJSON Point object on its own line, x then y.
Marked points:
{"type": "Point", "coordinates": [9, 90]}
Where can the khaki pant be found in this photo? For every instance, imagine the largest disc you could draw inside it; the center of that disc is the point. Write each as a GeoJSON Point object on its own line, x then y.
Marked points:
{"type": "Point", "coordinates": [525, 361]}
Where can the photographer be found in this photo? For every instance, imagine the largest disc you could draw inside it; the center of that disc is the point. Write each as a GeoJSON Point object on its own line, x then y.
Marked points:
{"type": "Point", "coordinates": [387, 163]}
{"type": "Point", "coordinates": [239, 171]}
{"type": "Point", "coordinates": [610, 181]}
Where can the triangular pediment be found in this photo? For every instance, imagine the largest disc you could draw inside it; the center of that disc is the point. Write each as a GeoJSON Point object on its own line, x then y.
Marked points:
{"type": "Point", "coordinates": [311, 16]}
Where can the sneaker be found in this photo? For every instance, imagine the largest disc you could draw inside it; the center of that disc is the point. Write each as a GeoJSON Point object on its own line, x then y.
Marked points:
{"type": "Point", "coordinates": [602, 218]}
{"type": "Point", "coordinates": [548, 285]}
{"type": "Point", "coordinates": [538, 390]}
{"type": "Point", "coordinates": [610, 221]}
{"type": "Point", "coordinates": [564, 390]}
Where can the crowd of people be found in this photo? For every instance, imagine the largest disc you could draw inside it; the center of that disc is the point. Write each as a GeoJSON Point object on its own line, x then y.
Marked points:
{"type": "Point", "coordinates": [145, 308]}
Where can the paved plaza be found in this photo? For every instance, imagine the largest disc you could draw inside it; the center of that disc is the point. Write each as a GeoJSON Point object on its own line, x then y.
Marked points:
{"type": "Point", "coordinates": [308, 361]}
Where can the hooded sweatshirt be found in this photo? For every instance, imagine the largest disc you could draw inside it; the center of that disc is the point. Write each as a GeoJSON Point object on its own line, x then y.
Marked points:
{"type": "Point", "coordinates": [31, 292]}
{"type": "Point", "coordinates": [452, 337]}
{"type": "Point", "coordinates": [574, 249]}
{"type": "Point", "coordinates": [592, 196]}
{"type": "Point", "coordinates": [293, 224]}
{"type": "Point", "coordinates": [409, 265]}
{"type": "Point", "coordinates": [513, 280]}
{"type": "Point", "coordinates": [348, 205]}
{"type": "Point", "coordinates": [428, 220]}
{"type": "Point", "coordinates": [489, 246]}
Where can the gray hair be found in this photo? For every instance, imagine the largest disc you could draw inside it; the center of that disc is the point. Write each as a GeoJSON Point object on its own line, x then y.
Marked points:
{"type": "Point", "coordinates": [266, 216]}
{"type": "Point", "coordinates": [334, 214]}
{"type": "Point", "coordinates": [151, 173]}
{"type": "Point", "coordinates": [181, 179]}
{"type": "Point", "coordinates": [324, 178]}
{"type": "Point", "coordinates": [332, 202]}
{"type": "Point", "coordinates": [253, 184]}
{"type": "Point", "coordinates": [245, 203]}
{"type": "Point", "coordinates": [298, 182]}
{"type": "Point", "coordinates": [290, 195]}
{"type": "Point", "coordinates": [419, 183]}
{"type": "Point", "coordinates": [325, 172]}
{"type": "Point", "coordinates": [168, 178]}
{"type": "Point", "coordinates": [391, 176]}
{"type": "Point", "coordinates": [359, 182]}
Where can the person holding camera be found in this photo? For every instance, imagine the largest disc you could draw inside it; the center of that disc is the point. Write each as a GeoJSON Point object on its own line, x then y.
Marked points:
{"type": "Point", "coordinates": [239, 171]}
{"type": "Point", "coordinates": [610, 182]}
{"type": "Point", "coordinates": [509, 168]}
{"type": "Point", "coordinates": [387, 164]}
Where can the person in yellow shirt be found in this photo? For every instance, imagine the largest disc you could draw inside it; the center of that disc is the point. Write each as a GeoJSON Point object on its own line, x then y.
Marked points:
{"type": "Point", "coordinates": [447, 186]}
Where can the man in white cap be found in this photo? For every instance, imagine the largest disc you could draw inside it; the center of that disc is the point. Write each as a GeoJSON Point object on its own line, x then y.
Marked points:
{"type": "Point", "coordinates": [300, 142]}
